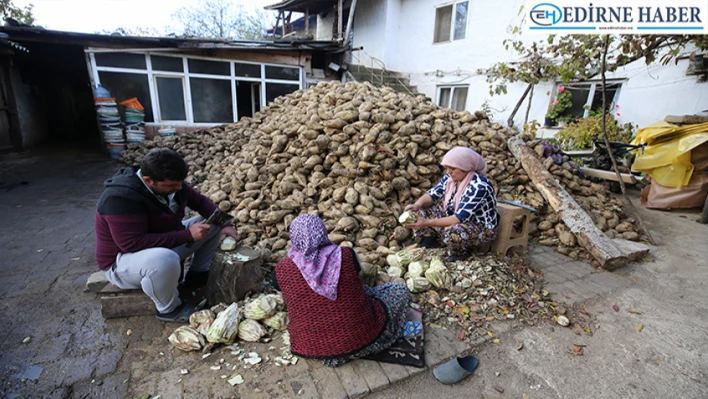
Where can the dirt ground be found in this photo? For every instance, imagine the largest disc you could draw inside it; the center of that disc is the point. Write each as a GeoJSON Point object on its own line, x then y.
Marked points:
{"type": "Point", "coordinates": [47, 206]}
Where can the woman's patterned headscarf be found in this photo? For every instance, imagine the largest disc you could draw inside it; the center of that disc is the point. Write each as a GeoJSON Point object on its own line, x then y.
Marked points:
{"type": "Point", "coordinates": [319, 260]}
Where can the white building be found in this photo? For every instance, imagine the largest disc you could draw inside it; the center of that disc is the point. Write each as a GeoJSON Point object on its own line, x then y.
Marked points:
{"type": "Point", "coordinates": [445, 48]}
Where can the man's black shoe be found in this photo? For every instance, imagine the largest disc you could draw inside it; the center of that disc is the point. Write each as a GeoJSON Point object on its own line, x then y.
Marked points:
{"type": "Point", "coordinates": [196, 279]}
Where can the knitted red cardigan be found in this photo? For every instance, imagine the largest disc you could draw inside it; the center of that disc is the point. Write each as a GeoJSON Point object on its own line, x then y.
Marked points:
{"type": "Point", "coordinates": [320, 328]}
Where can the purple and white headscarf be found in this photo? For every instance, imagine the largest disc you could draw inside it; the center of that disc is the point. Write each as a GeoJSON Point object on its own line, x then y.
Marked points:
{"type": "Point", "coordinates": [318, 258]}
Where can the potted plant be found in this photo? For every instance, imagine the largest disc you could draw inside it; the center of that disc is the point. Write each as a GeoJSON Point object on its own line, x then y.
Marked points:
{"type": "Point", "coordinates": [560, 104]}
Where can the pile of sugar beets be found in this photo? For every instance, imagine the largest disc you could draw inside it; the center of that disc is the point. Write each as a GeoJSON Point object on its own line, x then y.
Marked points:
{"type": "Point", "coordinates": [355, 155]}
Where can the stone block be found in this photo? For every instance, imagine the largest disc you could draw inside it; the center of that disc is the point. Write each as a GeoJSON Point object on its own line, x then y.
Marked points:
{"type": "Point", "coordinates": [372, 373]}
{"type": "Point", "coordinates": [634, 251]}
{"type": "Point", "coordinates": [328, 384]}
{"type": "Point", "coordinates": [413, 371]}
{"type": "Point", "coordinates": [354, 384]}
{"type": "Point", "coordinates": [394, 372]}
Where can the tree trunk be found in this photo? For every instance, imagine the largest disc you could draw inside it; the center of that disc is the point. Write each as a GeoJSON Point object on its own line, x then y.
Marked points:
{"type": "Point", "coordinates": [579, 222]}
{"type": "Point", "coordinates": [510, 121]}
{"type": "Point", "coordinates": [528, 107]}
{"type": "Point", "coordinates": [229, 282]}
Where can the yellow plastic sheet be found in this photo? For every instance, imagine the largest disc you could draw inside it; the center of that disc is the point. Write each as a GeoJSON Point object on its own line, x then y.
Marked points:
{"type": "Point", "coordinates": [667, 156]}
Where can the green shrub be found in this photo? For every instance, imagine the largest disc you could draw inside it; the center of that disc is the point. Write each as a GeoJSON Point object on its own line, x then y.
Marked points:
{"type": "Point", "coordinates": [579, 134]}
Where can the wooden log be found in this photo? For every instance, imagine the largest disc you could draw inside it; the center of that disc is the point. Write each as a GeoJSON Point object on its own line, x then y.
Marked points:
{"type": "Point", "coordinates": [230, 279]}
{"type": "Point", "coordinates": [117, 303]}
{"type": "Point", "coordinates": [686, 119]}
{"type": "Point", "coordinates": [610, 175]}
{"type": "Point", "coordinates": [579, 222]}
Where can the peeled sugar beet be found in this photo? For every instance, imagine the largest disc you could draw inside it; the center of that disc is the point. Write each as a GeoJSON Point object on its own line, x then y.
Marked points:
{"type": "Point", "coordinates": [437, 273]}
{"type": "Point", "coordinates": [225, 328]}
{"type": "Point", "coordinates": [187, 339]}
{"type": "Point", "coordinates": [229, 244]}
{"type": "Point", "coordinates": [395, 271]}
{"type": "Point", "coordinates": [278, 321]}
{"type": "Point", "coordinates": [201, 320]}
{"type": "Point", "coordinates": [407, 217]}
{"type": "Point", "coordinates": [251, 330]}
{"type": "Point", "coordinates": [417, 268]}
{"type": "Point", "coordinates": [417, 284]}
{"type": "Point", "coordinates": [261, 308]}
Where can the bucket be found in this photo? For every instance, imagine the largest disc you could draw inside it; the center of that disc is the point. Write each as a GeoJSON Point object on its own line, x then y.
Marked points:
{"type": "Point", "coordinates": [114, 150]}
{"type": "Point", "coordinates": [167, 132]}
{"type": "Point", "coordinates": [135, 137]}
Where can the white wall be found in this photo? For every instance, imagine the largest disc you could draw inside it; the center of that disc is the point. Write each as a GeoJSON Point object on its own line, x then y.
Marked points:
{"type": "Point", "coordinates": [653, 92]}
{"type": "Point", "coordinates": [325, 23]}
{"type": "Point", "coordinates": [372, 32]}
{"type": "Point", "coordinates": [404, 40]}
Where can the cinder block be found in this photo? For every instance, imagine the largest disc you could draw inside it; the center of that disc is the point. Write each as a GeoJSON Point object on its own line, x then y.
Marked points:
{"type": "Point", "coordinates": [328, 384]}
{"type": "Point", "coordinates": [372, 373]}
{"type": "Point", "coordinates": [394, 372]}
{"type": "Point", "coordinates": [354, 384]}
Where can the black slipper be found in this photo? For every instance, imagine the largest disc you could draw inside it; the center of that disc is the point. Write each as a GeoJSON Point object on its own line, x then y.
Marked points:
{"type": "Point", "coordinates": [429, 242]}
{"type": "Point", "coordinates": [179, 315]}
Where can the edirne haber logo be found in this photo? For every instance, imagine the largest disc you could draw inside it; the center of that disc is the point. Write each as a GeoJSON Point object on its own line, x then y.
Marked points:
{"type": "Point", "coordinates": [618, 17]}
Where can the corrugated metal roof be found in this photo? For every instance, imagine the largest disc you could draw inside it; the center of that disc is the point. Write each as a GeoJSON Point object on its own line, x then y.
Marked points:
{"type": "Point", "coordinates": [36, 34]}
{"type": "Point", "coordinates": [315, 6]}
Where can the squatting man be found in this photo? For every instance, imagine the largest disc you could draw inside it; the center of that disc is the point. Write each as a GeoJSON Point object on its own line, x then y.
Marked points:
{"type": "Point", "coordinates": [141, 239]}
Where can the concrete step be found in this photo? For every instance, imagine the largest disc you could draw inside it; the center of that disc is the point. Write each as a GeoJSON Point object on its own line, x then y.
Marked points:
{"type": "Point", "coordinates": [363, 68]}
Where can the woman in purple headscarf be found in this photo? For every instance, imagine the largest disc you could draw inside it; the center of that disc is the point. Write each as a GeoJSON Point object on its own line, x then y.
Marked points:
{"type": "Point", "coordinates": [461, 210]}
{"type": "Point", "coordinates": [333, 316]}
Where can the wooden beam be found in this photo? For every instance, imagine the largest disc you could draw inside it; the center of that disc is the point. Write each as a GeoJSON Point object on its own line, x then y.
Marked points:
{"type": "Point", "coordinates": [350, 21]}
{"type": "Point", "coordinates": [307, 21]}
{"type": "Point", "coordinates": [579, 222]}
{"type": "Point", "coordinates": [339, 18]}
{"type": "Point", "coordinates": [609, 175]}
{"type": "Point", "coordinates": [117, 303]}
{"type": "Point", "coordinates": [510, 120]}
{"type": "Point", "coordinates": [579, 153]}
{"type": "Point", "coordinates": [686, 119]}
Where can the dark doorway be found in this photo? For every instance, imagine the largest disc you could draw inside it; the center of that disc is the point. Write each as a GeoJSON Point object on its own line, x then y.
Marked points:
{"type": "Point", "coordinates": [54, 96]}
{"type": "Point", "coordinates": [248, 97]}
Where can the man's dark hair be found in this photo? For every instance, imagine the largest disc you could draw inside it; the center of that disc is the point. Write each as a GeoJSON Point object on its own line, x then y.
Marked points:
{"type": "Point", "coordinates": [163, 164]}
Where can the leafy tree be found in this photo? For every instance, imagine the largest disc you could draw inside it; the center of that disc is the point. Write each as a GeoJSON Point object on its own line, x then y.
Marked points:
{"type": "Point", "coordinates": [221, 19]}
{"type": "Point", "coordinates": [137, 31]}
{"type": "Point", "coordinates": [22, 15]}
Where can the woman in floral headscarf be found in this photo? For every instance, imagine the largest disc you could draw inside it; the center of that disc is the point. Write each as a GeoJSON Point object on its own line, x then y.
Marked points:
{"type": "Point", "coordinates": [461, 210]}
{"type": "Point", "coordinates": [333, 316]}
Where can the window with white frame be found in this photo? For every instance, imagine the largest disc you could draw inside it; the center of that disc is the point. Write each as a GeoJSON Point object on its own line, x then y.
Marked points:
{"type": "Point", "coordinates": [454, 97]}
{"type": "Point", "coordinates": [192, 90]}
{"type": "Point", "coordinates": [451, 22]}
{"type": "Point", "coordinates": [587, 96]}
